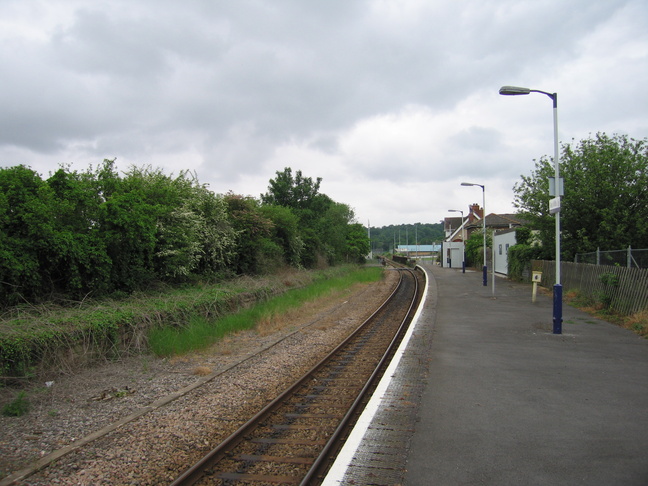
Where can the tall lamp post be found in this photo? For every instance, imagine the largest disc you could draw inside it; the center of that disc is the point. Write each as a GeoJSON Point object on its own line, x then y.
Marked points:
{"type": "Point", "coordinates": [463, 240]}
{"type": "Point", "coordinates": [485, 269]}
{"type": "Point", "coordinates": [555, 203]}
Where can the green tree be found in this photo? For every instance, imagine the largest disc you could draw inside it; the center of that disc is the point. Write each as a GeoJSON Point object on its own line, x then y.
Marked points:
{"type": "Point", "coordinates": [475, 247]}
{"type": "Point", "coordinates": [255, 248]}
{"type": "Point", "coordinates": [521, 254]}
{"type": "Point", "coordinates": [605, 203]}
{"type": "Point", "coordinates": [357, 243]}
{"type": "Point", "coordinates": [216, 237]}
{"type": "Point", "coordinates": [301, 195]}
{"type": "Point", "coordinates": [79, 260]}
{"type": "Point", "coordinates": [26, 228]}
{"type": "Point", "coordinates": [187, 231]}
{"type": "Point", "coordinates": [532, 196]}
{"type": "Point", "coordinates": [285, 232]}
{"type": "Point", "coordinates": [323, 224]}
{"type": "Point", "coordinates": [290, 191]}
{"type": "Point", "coordinates": [332, 228]}
{"type": "Point", "coordinates": [129, 228]}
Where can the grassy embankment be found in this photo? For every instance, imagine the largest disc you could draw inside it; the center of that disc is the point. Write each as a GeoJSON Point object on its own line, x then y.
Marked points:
{"type": "Point", "coordinates": [46, 338]}
{"type": "Point", "coordinates": [201, 332]}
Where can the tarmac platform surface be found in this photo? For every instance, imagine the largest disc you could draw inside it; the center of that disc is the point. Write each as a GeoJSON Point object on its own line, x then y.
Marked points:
{"type": "Point", "coordinates": [485, 393]}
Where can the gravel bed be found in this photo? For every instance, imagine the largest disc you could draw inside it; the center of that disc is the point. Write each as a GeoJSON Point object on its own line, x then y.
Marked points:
{"type": "Point", "coordinates": [194, 401]}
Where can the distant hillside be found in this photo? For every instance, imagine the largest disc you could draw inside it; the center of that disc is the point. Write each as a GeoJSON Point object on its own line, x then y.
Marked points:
{"type": "Point", "coordinates": [384, 238]}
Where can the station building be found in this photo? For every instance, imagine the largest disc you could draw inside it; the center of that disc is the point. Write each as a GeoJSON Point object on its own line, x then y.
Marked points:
{"type": "Point", "coordinates": [458, 230]}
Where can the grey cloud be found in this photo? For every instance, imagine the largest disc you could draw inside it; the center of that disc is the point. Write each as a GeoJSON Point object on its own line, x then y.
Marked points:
{"type": "Point", "coordinates": [231, 81]}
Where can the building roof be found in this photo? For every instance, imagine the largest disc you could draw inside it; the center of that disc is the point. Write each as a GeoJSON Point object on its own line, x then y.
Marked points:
{"type": "Point", "coordinates": [499, 221]}
{"type": "Point", "coordinates": [453, 222]}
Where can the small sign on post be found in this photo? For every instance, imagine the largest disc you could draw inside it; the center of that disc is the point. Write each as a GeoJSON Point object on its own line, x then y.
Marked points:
{"type": "Point", "coordinates": [536, 278]}
{"type": "Point", "coordinates": [554, 205]}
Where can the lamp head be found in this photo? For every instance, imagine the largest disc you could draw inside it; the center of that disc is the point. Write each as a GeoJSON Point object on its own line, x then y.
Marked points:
{"type": "Point", "coordinates": [513, 91]}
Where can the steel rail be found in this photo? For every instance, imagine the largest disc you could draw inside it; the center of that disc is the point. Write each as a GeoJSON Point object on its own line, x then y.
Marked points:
{"type": "Point", "coordinates": [196, 472]}
{"type": "Point", "coordinates": [334, 441]}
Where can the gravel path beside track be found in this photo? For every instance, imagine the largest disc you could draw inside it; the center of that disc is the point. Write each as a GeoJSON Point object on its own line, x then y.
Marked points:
{"type": "Point", "coordinates": [216, 390]}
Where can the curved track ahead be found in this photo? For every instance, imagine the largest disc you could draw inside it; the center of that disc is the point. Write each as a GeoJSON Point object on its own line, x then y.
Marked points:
{"type": "Point", "coordinates": [293, 438]}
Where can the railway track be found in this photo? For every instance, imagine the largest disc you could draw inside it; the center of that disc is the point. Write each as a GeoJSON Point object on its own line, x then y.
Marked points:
{"type": "Point", "coordinates": [293, 439]}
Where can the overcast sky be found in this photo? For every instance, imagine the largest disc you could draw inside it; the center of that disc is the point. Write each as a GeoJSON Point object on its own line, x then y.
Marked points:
{"type": "Point", "coordinates": [393, 103]}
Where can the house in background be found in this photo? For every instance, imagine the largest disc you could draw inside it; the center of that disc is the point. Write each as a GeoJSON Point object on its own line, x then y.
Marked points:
{"type": "Point", "coordinates": [458, 231]}
{"type": "Point", "coordinates": [496, 222]}
{"type": "Point", "coordinates": [456, 228]}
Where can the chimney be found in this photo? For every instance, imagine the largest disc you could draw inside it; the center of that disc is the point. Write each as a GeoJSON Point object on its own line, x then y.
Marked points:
{"type": "Point", "coordinates": [475, 212]}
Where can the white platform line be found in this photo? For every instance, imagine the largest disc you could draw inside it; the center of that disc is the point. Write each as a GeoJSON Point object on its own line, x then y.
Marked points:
{"type": "Point", "coordinates": [337, 471]}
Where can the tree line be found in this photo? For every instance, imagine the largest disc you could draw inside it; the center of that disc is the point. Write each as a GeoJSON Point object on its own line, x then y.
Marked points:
{"type": "Point", "coordinates": [604, 206]}
{"type": "Point", "coordinates": [99, 232]}
{"type": "Point", "coordinates": [385, 238]}
{"type": "Point", "coordinates": [605, 202]}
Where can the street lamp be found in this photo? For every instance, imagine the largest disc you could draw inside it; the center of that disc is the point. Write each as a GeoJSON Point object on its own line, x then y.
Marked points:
{"type": "Point", "coordinates": [555, 203]}
{"type": "Point", "coordinates": [485, 269]}
{"type": "Point", "coordinates": [463, 240]}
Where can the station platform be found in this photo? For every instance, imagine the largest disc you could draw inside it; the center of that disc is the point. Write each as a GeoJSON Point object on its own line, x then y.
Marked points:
{"type": "Point", "coordinates": [482, 392]}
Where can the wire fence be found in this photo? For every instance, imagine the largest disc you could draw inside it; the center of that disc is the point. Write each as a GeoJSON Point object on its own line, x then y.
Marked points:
{"type": "Point", "coordinates": [621, 289]}
{"type": "Point", "coordinates": [629, 258]}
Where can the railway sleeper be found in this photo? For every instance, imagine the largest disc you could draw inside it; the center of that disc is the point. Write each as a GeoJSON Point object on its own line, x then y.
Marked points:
{"type": "Point", "coordinates": [308, 442]}
{"type": "Point", "coordinates": [259, 478]}
{"type": "Point", "coordinates": [280, 459]}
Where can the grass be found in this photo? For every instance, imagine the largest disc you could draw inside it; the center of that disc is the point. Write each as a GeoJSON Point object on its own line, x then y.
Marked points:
{"type": "Point", "coordinates": [202, 332]}
{"type": "Point", "coordinates": [18, 407]}
{"type": "Point", "coordinates": [47, 338]}
{"type": "Point", "coordinates": [637, 322]}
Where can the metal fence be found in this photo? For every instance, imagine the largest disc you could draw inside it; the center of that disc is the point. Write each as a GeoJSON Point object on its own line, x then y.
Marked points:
{"type": "Point", "coordinates": [623, 290]}
{"type": "Point", "coordinates": [629, 258]}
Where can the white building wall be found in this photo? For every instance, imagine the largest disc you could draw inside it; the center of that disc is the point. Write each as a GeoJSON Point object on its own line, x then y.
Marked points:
{"type": "Point", "coordinates": [453, 250]}
{"type": "Point", "coordinates": [502, 243]}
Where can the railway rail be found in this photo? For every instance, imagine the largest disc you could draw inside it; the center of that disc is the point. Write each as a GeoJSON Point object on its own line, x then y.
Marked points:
{"type": "Point", "coordinates": [153, 444]}
{"type": "Point", "coordinates": [294, 438]}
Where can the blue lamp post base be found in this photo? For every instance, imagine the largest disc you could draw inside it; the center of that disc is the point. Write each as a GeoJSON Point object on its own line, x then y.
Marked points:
{"type": "Point", "coordinates": [485, 271]}
{"type": "Point", "coordinates": [557, 309]}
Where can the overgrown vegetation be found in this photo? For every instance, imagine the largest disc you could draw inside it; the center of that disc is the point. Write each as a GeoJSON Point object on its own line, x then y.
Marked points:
{"type": "Point", "coordinates": [610, 281]}
{"type": "Point", "coordinates": [64, 338]}
{"type": "Point", "coordinates": [475, 247]}
{"type": "Point", "coordinates": [521, 254]}
{"type": "Point", "coordinates": [637, 322]}
{"type": "Point", "coordinates": [99, 232]}
{"type": "Point", "coordinates": [201, 332]}
{"type": "Point", "coordinates": [18, 407]}
{"type": "Point", "coordinates": [90, 261]}
{"type": "Point", "coordinates": [605, 204]}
